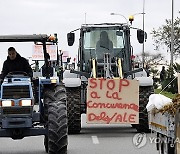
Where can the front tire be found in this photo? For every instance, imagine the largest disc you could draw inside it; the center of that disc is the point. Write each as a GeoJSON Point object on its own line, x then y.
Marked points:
{"type": "Point", "coordinates": [56, 115]}
{"type": "Point", "coordinates": [74, 110]}
{"type": "Point", "coordinates": [144, 93]}
{"type": "Point", "coordinates": [165, 145]}
{"type": "Point", "coordinates": [177, 131]}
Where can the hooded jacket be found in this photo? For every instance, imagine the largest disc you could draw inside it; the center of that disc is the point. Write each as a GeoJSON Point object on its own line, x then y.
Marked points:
{"type": "Point", "coordinates": [18, 64]}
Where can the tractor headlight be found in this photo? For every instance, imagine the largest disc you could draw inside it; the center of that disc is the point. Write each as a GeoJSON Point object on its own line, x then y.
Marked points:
{"type": "Point", "coordinates": [53, 80]}
{"type": "Point", "coordinates": [25, 103]}
{"type": "Point", "coordinates": [7, 103]}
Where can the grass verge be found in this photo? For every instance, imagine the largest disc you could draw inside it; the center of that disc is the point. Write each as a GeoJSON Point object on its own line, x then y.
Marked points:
{"type": "Point", "coordinates": [165, 93]}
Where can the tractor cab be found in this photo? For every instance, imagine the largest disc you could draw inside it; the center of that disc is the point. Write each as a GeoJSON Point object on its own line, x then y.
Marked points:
{"type": "Point", "coordinates": [106, 78]}
{"type": "Point", "coordinates": [105, 43]}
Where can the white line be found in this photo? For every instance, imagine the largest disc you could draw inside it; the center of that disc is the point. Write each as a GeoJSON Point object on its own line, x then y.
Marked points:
{"type": "Point", "coordinates": [95, 139]}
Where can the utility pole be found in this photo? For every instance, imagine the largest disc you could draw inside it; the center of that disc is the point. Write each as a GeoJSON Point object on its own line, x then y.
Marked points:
{"type": "Point", "coordinates": [143, 53]}
{"type": "Point", "coordinates": [85, 18]}
{"type": "Point", "coordinates": [172, 34]}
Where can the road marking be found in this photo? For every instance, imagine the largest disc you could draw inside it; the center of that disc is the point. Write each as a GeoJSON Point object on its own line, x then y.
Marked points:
{"type": "Point", "coordinates": [95, 139]}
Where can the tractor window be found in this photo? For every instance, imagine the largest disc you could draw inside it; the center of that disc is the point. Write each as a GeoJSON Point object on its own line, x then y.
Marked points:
{"type": "Point", "coordinates": [118, 39]}
{"type": "Point", "coordinates": [91, 38]}
{"type": "Point", "coordinates": [113, 43]}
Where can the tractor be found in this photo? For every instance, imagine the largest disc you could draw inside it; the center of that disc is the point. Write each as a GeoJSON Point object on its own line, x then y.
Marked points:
{"type": "Point", "coordinates": [32, 106]}
{"type": "Point", "coordinates": [105, 58]}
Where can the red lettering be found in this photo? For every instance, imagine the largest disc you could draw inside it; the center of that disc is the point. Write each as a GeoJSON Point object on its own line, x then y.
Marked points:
{"type": "Point", "coordinates": [88, 104]}
{"type": "Point", "coordinates": [110, 119]}
{"type": "Point", "coordinates": [118, 118]}
{"type": "Point", "coordinates": [94, 94]}
{"type": "Point", "coordinates": [101, 82]}
{"type": "Point", "coordinates": [92, 104]}
{"type": "Point", "coordinates": [123, 82]}
{"type": "Point", "coordinates": [93, 83]}
{"type": "Point", "coordinates": [91, 116]}
{"type": "Point", "coordinates": [131, 118]}
{"type": "Point", "coordinates": [125, 117]}
{"type": "Point", "coordinates": [134, 107]}
{"type": "Point", "coordinates": [110, 84]}
{"type": "Point", "coordinates": [108, 105]}
{"type": "Point", "coordinates": [107, 94]}
{"type": "Point", "coordinates": [103, 116]}
{"type": "Point", "coordinates": [114, 95]}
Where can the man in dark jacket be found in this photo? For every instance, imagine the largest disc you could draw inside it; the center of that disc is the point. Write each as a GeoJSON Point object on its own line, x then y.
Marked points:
{"type": "Point", "coordinates": [14, 63]}
{"type": "Point", "coordinates": [104, 45]}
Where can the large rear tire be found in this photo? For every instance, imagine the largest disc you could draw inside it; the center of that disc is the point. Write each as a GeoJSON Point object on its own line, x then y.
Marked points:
{"type": "Point", "coordinates": [144, 93]}
{"type": "Point", "coordinates": [177, 132]}
{"type": "Point", "coordinates": [165, 145]}
{"type": "Point", "coordinates": [74, 110]}
{"type": "Point", "coordinates": [55, 113]}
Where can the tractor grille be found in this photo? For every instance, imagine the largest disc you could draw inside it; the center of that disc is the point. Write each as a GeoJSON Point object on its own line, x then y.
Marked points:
{"type": "Point", "coordinates": [22, 110]}
{"type": "Point", "coordinates": [16, 92]}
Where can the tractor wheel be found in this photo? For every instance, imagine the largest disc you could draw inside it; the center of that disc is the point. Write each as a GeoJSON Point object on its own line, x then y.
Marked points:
{"type": "Point", "coordinates": [165, 146]}
{"type": "Point", "coordinates": [74, 110]}
{"type": "Point", "coordinates": [177, 132]}
{"type": "Point", "coordinates": [55, 112]}
{"type": "Point", "coordinates": [144, 93]}
{"type": "Point", "coordinates": [46, 143]}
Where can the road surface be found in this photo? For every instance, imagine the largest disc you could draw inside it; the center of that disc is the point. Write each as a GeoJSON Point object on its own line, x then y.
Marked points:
{"type": "Point", "coordinates": [94, 139]}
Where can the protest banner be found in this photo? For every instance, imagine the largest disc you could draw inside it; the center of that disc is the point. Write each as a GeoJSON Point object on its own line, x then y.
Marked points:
{"type": "Point", "coordinates": [37, 53]}
{"type": "Point", "coordinates": [112, 101]}
{"type": "Point", "coordinates": [65, 55]}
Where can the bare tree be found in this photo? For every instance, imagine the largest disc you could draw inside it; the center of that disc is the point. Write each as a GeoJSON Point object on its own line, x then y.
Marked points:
{"type": "Point", "coordinates": [150, 59]}
{"type": "Point", "coordinates": [162, 36]}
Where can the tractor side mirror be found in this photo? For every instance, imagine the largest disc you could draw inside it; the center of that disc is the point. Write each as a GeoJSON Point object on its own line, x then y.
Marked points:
{"type": "Point", "coordinates": [141, 36]}
{"type": "Point", "coordinates": [70, 38]}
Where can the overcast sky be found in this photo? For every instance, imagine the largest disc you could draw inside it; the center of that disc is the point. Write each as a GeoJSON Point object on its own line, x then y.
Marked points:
{"type": "Point", "coordinates": [62, 16]}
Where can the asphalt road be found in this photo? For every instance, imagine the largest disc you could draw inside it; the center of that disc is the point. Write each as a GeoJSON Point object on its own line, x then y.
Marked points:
{"type": "Point", "coordinates": [94, 139]}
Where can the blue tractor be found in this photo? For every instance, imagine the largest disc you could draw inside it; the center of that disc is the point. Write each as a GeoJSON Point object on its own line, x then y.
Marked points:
{"type": "Point", "coordinates": [31, 106]}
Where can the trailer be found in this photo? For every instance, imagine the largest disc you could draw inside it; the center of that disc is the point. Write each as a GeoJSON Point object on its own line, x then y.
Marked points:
{"type": "Point", "coordinates": [165, 122]}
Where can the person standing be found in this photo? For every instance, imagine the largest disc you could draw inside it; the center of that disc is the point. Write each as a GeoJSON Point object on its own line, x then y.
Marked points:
{"type": "Point", "coordinates": [163, 74]}
{"type": "Point", "coordinates": [163, 77]}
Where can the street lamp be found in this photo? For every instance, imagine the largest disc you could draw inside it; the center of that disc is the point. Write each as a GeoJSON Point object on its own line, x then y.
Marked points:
{"type": "Point", "coordinates": [120, 15]}
{"type": "Point", "coordinates": [143, 41]}
{"type": "Point", "coordinates": [131, 17]}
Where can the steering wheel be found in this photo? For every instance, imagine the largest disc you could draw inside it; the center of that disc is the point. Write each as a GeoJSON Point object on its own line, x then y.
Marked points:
{"type": "Point", "coordinates": [17, 73]}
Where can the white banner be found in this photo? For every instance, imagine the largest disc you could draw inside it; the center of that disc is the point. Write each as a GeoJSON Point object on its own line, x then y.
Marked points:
{"type": "Point", "coordinates": [37, 53]}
